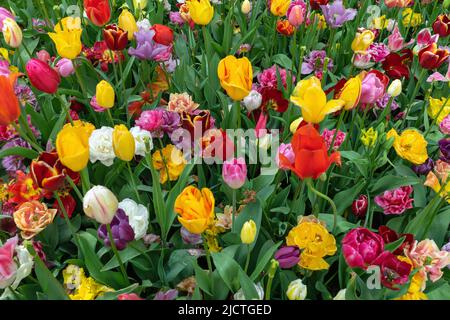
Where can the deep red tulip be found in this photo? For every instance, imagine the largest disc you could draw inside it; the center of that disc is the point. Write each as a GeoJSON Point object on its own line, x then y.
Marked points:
{"type": "Point", "coordinates": [394, 272]}
{"type": "Point", "coordinates": [431, 57]}
{"type": "Point", "coordinates": [442, 25]}
{"type": "Point", "coordinates": [315, 4]}
{"type": "Point", "coordinates": [163, 34]}
{"type": "Point", "coordinates": [42, 76]}
{"type": "Point", "coordinates": [311, 154]}
{"type": "Point", "coordinates": [69, 204]}
{"type": "Point", "coordinates": [359, 206]}
{"type": "Point", "coordinates": [390, 235]}
{"type": "Point", "coordinates": [396, 66]}
{"type": "Point", "coordinates": [115, 37]}
{"type": "Point", "coordinates": [98, 11]}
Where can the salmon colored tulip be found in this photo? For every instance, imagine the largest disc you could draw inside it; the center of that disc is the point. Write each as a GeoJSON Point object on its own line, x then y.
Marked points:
{"type": "Point", "coordinates": [9, 105]}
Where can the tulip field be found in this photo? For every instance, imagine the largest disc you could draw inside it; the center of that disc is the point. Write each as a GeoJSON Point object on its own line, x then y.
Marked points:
{"type": "Point", "coordinates": [224, 150]}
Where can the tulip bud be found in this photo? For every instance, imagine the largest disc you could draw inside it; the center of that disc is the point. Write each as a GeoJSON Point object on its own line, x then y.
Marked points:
{"type": "Point", "coordinates": [98, 11]}
{"type": "Point", "coordinates": [297, 290]}
{"type": "Point", "coordinates": [359, 206]}
{"type": "Point", "coordinates": [163, 34]}
{"type": "Point", "coordinates": [128, 23]}
{"type": "Point", "coordinates": [105, 95]}
{"type": "Point", "coordinates": [140, 4]}
{"type": "Point", "coordinates": [123, 143]}
{"type": "Point", "coordinates": [12, 33]}
{"type": "Point", "coordinates": [395, 88]}
{"type": "Point", "coordinates": [295, 124]}
{"type": "Point", "coordinates": [234, 172]}
{"type": "Point", "coordinates": [101, 204]}
{"type": "Point", "coordinates": [42, 76]}
{"type": "Point", "coordinates": [43, 55]}
{"type": "Point", "coordinates": [201, 11]}
{"type": "Point", "coordinates": [287, 257]}
{"type": "Point", "coordinates": [65, 67]}
{"type": "Point", "coordinates": [246, 7]}
{"type": "Point", "coordinates": [248, 232]}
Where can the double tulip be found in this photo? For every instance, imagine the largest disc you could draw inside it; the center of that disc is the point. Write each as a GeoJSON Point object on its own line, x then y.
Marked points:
{"type": "Point", "coordinates": [9, 105]}
{"type": "Point", "coordinates": [42, 76]}
{"type": "Point", "coordinates": [195, 209]}
{"type": "Point", "coordinates": [236, 76]}
{"type": "Point", "coordinates": [72, 145]}
{"type": "Point", "coordinates": [98, 11]}
{"type": "Point", "coordinates": [201, 11]}
{"type": "Point", "coordinates": [431, 57]}
{"type": "Point", "coordinates": [311, 154]}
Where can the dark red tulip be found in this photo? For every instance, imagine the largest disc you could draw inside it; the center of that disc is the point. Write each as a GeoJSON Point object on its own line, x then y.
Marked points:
{"type": "Point", "coordinates": [442, 25]}
{"type": "Point", "coordinates": [359, 206]}
{"type": "Point", "coordinates": [115, 37]}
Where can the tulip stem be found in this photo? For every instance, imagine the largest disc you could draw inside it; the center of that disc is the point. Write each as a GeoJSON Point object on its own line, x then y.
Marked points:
{"type": "Point", "coordinates": [133, 181]}
{"type": "Point", "coordinates": [65, 107]}
{"type": "Point", "coordinates": [234, 211]}
{"type": "Point", "coordinates": [247, 261]}
{"type": "Point", "coordinates": [80, 81]}
{"type": "Point", "coordinates": [110, 117]}
{"type": "Point", "coordinates": [75, 188]}
{"type": "Point", "coordinates": [26, 137]}
{"type": "Point", "coordinates": [207, 254]}
{"type": "Point", "coordinates": [324, 196]}
{"type": "Point", "coordinates": [116, 253]}
{"type": "Point", "coordinates": [85, 183]}
{"type": "Point", "coordinates": [416, 90]}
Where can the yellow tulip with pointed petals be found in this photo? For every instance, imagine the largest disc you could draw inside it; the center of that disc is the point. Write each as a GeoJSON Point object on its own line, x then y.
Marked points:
{"type": "Point", "coordinates": [351, 93]}
{"type": "Point", "coordinates": [312, 100]}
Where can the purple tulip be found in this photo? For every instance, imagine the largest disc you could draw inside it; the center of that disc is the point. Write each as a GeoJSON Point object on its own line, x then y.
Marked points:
{"type": "Point", "coordinates": [444, 147]}
{"type": "Point", "coordinates": [424, 168]}
{"type": "Point", "coordinates": [336, 14]}
{"type": "Point", "coordinates": [190, 238]}
{"type": "Point", "coordinates": [122, 232]}
{"type": "Point", "coordinates": [288, 257]}
{"type": "Point", "coordinates": [148, 49]}
{"type": "Point", "coordinates": [171, 294]}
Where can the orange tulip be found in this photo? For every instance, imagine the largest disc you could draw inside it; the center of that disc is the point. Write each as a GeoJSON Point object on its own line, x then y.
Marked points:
{"type": "Point", "coordinates": [9, 105]}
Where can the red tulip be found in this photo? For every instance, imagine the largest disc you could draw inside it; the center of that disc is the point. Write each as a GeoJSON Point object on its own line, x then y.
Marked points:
{"type": "Point", "coordinates": [68, 203]}
{"type": "Point", "coordinates": [311, 154]}
{"type": "Point", "coordinates": [115, 37]}
{"type": "Point", "coordinates": [397, 66]}
{"type": "Point", "coordinates": [9, 105]}
{"type": "Point", "coordinates": [359, 206]}
{"type": "Point", "coordinates": [431, 57]}
{"type": "Point", "coordinates": [315, 4]}
{"type": "Point", "coordinates": [163, 34]}
{"type": "Point", "coordinates": [394, 272]}
{"type": "Point", "coordinates": [42, 76]}
{"type": "Point", "coordinates": [390, 235]}
{"type": "Point", "coordinates": [284, 27]}
{"type": "Point", "coordinates": [98, 11]}
{"type": "Point", "coordinates": [442, 25]}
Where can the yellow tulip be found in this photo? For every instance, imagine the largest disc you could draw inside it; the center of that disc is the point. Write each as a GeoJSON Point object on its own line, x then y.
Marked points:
{"type": "Point", "coordinates": [279, 7]}
{"type": "Point", "coordinates": [12, 33]}
{"type": "Point", "coordinates": [140, 4]}
{"type": "Point", "coordinates": [369, 137]}
{"type": "Point", "coordinates": [68, 43]}
{"type": "Point", "coordinates": [128, 23]}
{"type": "Point", "coordinates": [236, 76]}
{"type": "Point", "coordinates": [72, 145]}
{"type": "Point", "coordinates": [105, 95]}
{"type": "Point", "coordinates": [351, 93]}
{"type": "Point", "coordinates": [362, 41]}
{"type": "Point", "coordinates": [295, 124]}
{"type": "Point", "coordinates": [195, 209]}
{"type": "Point", "coordinates": [311, 99]}
{"type": "Point", "coordinates": [410, 145]}
{"type": "Point", "coordinates": [201, 11]}
{"type": "Point", "coordinates": [395, 88]}
{"type": "Point", "coordinates": [436, 108]}
{"type": "Point", "coordinates": [4, 54]}
{"type": "Point", "coordinates": [248, 232]}
{"type": "Point", "coordinates": [68, 24]}
{"type": "Point", "coordinates": [123, 143]}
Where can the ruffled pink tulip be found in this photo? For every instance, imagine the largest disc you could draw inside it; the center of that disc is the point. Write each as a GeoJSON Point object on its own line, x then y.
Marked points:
{"type": "Point", "coordinates": [8, 267]}
{"type": "Point", "coordinates": [361, 247]}
{"type": "Point", "coordinates": [65, 67]}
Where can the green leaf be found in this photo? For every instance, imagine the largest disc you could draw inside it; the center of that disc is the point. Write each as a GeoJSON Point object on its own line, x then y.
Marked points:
{"type": "Point", "coordinates": [395, 245]}
{"type": "Point", "coordinates": [248, 287]}
{"type": "Point", "coordinates": [202, 279]}
{"type": "Point", "coordinates": [391, 182]}
{"type": "Point", "coordinates": [264, 260]}
{"type": "Point", "coordinates": [19, 151]}
{"type": "Point", "coordinates": [228, 269]}
{"type": "Point", "coordinates": [344, 199]}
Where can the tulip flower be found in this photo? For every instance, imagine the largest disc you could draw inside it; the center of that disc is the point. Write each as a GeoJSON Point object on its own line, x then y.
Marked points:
{"type": "Point", "coordinates": [279, 7]}
{"type": "Point", "coordinates": [72, 145]}
{"type": "Point", "coordinates": [311, 154]}
{"type": "Point", "coordinates": [248, 232]}
{"type": "Point", "coordinates": [9, 105]}
{"type": "Point", "coordinates": [359, 206]}
{"type": "Point", "coordinates": [195, 209]}
{"type": "Point", "coordinates": [12, 33]}
{"type": "Point", "coordinates": [42, 76]}
{"type": "Point", "coordinates": [4, 13]}
{"type": "Point", "coordinates": [65, 67]}
{"type": "Point", "coordinates": [123, 143]}
{"type": "Point", "coordinates": [395, 88]}
{"type": "Point", "coordinates": [201, 11]}
{"type": "Point", "coordinates": [442, 25]}
{"type": "Point", "coordinates": [362, 41]}
{"type": "Point", "coordinates": [287, 257]}
{"type": "Point", "coordinates": [351, 93]}
{"type": "Point", "coordinates": [127, 22]}
{"type": "Point", "coordinates": [68, 24]}
{"type": "Point", "coordinates": [141, 4]}
{"type": "Point", "coordinates": [105, 95]}
{"type": "Point", "coordinates": [246, 7]}
{"type": "Point", "coordinates": [296, 12]}
{"type": "Point", "coordinates": [98, 11]}
{"type": "Point", "coordinates": [100, 204]}
{"type": "Point", "coordinates": [234, 172]}
{"type": "Point", "coordinates": [163, 34]}
{"type": "Point", "coordinates": [67, 42]}
{"type": "Point", "coordinates": [115, 37]}
{"type": "Point", "coordinates": [33, 217]}
{"type": "Point", "coordinates": [297, 290]}
{"type": "Point", "coordinates": [431, 57]}
{"type": "Point", "coordinates": [310, 97]}
{"type": "Point", "coordinates": [236, 76]}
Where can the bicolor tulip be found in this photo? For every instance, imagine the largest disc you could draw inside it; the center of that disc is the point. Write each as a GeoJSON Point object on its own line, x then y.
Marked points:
{"type": "Point", "coordinates": [100, 204]}
{"type": "Point", "coordinates": [12, 33]}
{"type": "Point", "coordinates": [115, 37]}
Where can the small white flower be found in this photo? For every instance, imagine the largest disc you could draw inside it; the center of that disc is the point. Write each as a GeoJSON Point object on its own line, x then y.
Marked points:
{"type": "Point", "coordinates": [239, 295]}
{"type": "Point", "coordinates": [296, 290]}
{"type": "Point", "coordinates": [137, 217]}
{"type": "Point", "coordinates": [252, 101]}
{"type": "Point", "coordinates": [141, 137]}
{"type": "Point", "coordinates": [101, 146]}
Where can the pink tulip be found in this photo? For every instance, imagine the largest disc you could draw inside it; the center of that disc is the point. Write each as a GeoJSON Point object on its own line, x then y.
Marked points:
{"type": "Point", "coordinates": [4, 13]}
{"type": "Point", "coordinates": [361, 247]}
{"type": "Point", "coordinates": [8, 267]}
{"type": "Point", "coordinates": [287, 151]}
{"type": "Point", "coordinates": [372, 89]}
{"type": "Point", "coordinates": [65, 68]}
{"type": "Point", "coordinates": [42, 76]}
{"type": "Point", "coordinates": [43, 55]}
{"type": "Point", "coordinates": [396, 41]}
{"type": "Point", "coordinates": [261, 126]}
{"type": "Point", "coordinates": [234, 172]}
{"type": "Point", "coordinates": [296, 12]}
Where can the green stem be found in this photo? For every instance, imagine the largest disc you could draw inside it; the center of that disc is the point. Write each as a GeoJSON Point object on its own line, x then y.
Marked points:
{"type": "Point", "coordinates": [75, 188]}
{"type": "Point", "coordinates": [233, 228]}
{"type": "Point", "coordinates": [80, 81]}
{"type": "Point", "coordinates": [85, 183]}
{"type": "Point", "coordinates": [116, 253]}
{"type": "Point", "coordinates": [24, 136]}
{"type": "Point", "coordinates": [110, 117]}
{"type": "Point", "coordinates": [325, 197]}
{"type": "Point", "coordinates": [208, 255]}
{"type": "Point", "coordinates": [247, 261]}
{"type": "Point", "coordinates": [66, 216]}
{"type": "Point", "coordinates": [133, 182]}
